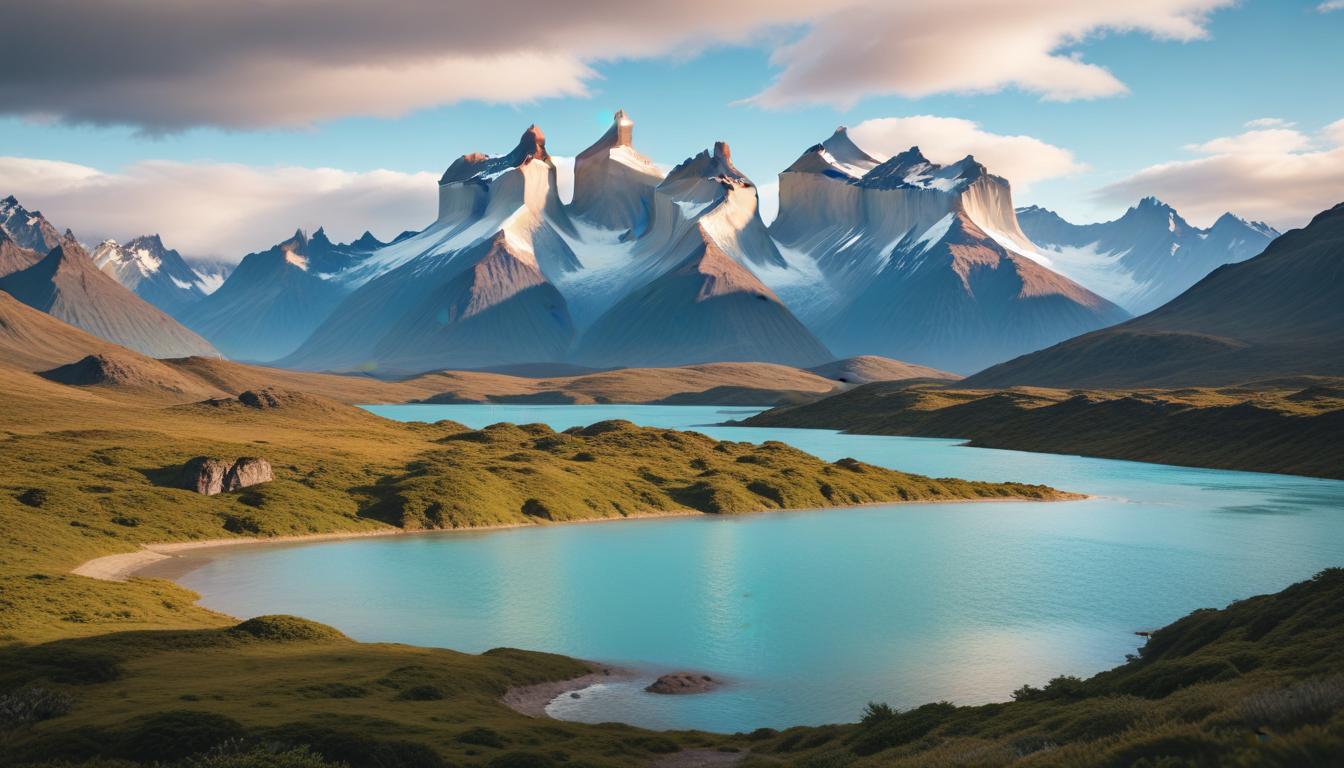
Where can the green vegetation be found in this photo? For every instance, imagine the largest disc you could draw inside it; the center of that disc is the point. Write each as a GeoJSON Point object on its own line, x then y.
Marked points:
{"type": "Point", "coordinates": [1288, 427]}
{"type": "Point", "coordinates": [96, 673]}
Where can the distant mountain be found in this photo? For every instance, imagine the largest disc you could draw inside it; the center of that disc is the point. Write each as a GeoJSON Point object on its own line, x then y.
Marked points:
{"type": "Point", "coordinates": [28, 229]}
{"type": "Point", "coordinates": [690, 295]}
{"type": "Point", "coordinates": [274, 299]}
{"type": "Point", "coordinates": [1279, 314]}
{"type": "Point", "coordinates": [212, 273]}
{"type": "Point", "coordinates": [464, 287]}
{"type": "Point", "coordinates": [613, 184]}
{"type": "Point", "coordinates": [67, 285]}
{"type": "Point", "coordinates": [918, 261]}
{"type": "Point", "coordinates": [153, 272]}
{"type": "Point", "coordinates": [1147, 256]}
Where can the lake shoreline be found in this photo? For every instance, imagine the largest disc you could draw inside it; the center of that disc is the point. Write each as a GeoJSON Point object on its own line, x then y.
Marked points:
{"type": "Point", "coordinates": [124, 566]}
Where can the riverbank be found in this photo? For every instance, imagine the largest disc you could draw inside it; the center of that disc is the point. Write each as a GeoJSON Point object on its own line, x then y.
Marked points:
{"type": "Point", "coordinates": [171, 559]}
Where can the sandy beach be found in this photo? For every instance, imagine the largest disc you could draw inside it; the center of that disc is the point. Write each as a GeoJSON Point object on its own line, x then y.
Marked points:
{"type": "Point", "coordinates": [531, 700]}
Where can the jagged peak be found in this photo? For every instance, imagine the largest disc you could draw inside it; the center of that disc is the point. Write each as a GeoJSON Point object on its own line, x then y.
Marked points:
{"type": "Point", "coordinates": [367, 241]}
{"type": "Point", "coordinates": [711, 164]}
{"type": "Point", "coordinates": [619, 134]}
{"type": "Point", "coordinates": [11, 202]}
{"type": "Point", "coordinates": [531, 146]}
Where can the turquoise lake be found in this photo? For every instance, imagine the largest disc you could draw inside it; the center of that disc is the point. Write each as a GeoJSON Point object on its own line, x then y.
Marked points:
{"type": "Point", "coordinates": [809, 615]}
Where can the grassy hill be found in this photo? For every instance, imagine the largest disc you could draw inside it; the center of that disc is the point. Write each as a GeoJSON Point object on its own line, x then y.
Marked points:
{"type": "Point", "coordinates": [1288, 426]}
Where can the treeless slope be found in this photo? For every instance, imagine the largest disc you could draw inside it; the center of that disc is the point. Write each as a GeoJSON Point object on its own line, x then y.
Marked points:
{"type": "Point", "coordinates": [1295, 431]}
{"type": "Point", "coordinates": [1278, 314]}
{"type": "Point", "coordinates": [868, 368]}
{"type": "Point", "coordinates": [32, 340]}
{"type": "Point", "coordinates": [756, 383]}
{"type": "Point", "coordinates": [68, 285]}
{"type": "Point", "coordinates": [13, 257]}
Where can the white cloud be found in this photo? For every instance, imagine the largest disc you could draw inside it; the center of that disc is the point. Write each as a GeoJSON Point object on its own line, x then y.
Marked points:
{"type": "Point", "coordinates": [1269, 122]}
{"type": "Point", "coordinates": [220, 210]}
{"type": "Point", "coordinates": [1020, 159]}
{"type": "Point", "coordinates": [165, 65]}
{"type": "Point", "coordinates": [1282, 176]}
{"type": "Point", "coordinates": [1331, 5]}
{"type": "Point", "coordinates": [967, 46]}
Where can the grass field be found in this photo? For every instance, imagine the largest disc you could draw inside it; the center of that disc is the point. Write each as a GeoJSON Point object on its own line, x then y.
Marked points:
{"type": "Point", "coordinates": [1286, 427]}
{"type": "Point", "coordinates": [134, 673]}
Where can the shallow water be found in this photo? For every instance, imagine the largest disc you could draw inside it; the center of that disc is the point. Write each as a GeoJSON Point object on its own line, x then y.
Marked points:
{"type": "Point", "coordinates": [810, 615]}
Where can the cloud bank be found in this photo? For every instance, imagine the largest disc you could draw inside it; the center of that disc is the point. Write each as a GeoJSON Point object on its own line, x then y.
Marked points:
{"type": "Point", "coordinates": [1020, 159]}
{"type": "Point", "coordinates": [1281, 175]}
{"type": "Point", "coordinates": [220, 210]}
{"type": "Point", "coordinates": [166, 65]}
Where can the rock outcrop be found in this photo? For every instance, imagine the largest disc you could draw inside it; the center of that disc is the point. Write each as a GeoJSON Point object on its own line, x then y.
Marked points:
{"type": "Point", "coordinates": [682, 683]}
{"type": "Point", "coordinates": [209, 476]}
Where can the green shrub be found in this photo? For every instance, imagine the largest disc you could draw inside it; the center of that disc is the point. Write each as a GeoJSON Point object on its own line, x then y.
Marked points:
{"type": "Point", "coordinates": [482, 737]}
{"type": "Point", "coordinates": [421, 693]}
{"type": "Point", "coordinates": [176, 734]}
{"type": "Point", "coordinates": [32, 705]}
{"type": "Point", "coordinates": [1305, 703]}
{"type": "Point", "coordinates": [346, 745]}
{"type": "Point", "coordinates": [522, 760]}
{"type": "Point", "coordinates": [282, 628]}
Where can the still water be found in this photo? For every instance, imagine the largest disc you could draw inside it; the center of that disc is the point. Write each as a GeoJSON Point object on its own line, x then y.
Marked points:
{"type": "Point", "coordinates": [810, 615]}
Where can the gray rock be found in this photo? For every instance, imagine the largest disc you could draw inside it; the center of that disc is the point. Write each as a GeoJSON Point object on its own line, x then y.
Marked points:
{"type": "Point", "coordinates": [209, 476]}
{"type": "Point", "coordinates": [247, 471]}
{"type": "Point", "coordinates": [681, 683]}
{"type": "Point", "coordinates": [205, 475]}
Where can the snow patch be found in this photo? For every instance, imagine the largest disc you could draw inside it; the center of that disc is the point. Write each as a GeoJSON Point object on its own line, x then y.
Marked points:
{"type": "Point", "coordinates": [934, 234]}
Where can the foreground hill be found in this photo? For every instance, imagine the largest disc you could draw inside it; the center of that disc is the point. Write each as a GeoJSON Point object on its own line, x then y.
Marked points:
{"type": "Point", "coordinates": [1280, 428]}
{"type": "Point", "coordinates": [1278, 314]}
{"type": "Point", "coordinates": [69, 286]}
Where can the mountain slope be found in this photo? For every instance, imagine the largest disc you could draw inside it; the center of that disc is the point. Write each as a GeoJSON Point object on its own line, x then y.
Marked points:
{"type": "Point", "coordinates": [273, 299]}
{"type": "Point", "coordinates": [14, 257]}
{"type": "Point", "coordinates": [962, 300]}
{"type": "Point", "coordinates": [709, 308]}
{"type": "Point", "coordinates": [1278, 314]}
{"type": "Point", "coordinates": [153, 272]}
{"type": "Point", "coordinates": [67, 285]}
{"type": "Point", "coordinates": [613, 184]}
{"type": "Point", "coordinates": [869, 368]}
{"type": "Point", "coordinates": [918, 261]}
{"type": "Point", "coordinates": [1146, 257]}
{"type": "Point", "coordinates": [29, 229]}
{"type": "Point", "coordinates": [501, 231]}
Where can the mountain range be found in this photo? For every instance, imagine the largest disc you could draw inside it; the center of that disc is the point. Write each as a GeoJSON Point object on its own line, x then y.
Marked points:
{"type": "Point", "coordinates": [1279, 314]}
{"type": "Point", "coordinates": [901, 257]}
{"type": "Point", "coordinates": [1146, 257]}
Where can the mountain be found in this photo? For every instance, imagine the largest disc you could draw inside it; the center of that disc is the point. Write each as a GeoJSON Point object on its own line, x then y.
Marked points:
{"type": "Point", "coordinates": [708, 308]}
{"type": "Point", "coordinates": [28, 229]}
{"type": "Point", "coordinates": [274, 299]}
{"type": "Point", "coordinates": [691, 295]}
{"type": "Point", "coordinates": [1279, 314]}
{"type": "Point", "coordinates": [14, 257]}
{"type": "Point", "coordinates": [153, 272]}
{"type": "Point", "coordinates": [919, 261]}
{"type": "Point", "coordinates": [212, 273]}
{"type": "Point", "coordinates": [1146, 257]}
{"type": "Point", "coordinates": [482, 268]}
{"type": "Point", "coordinates": [67, 285]}
{"type": "Point", "coordinates": [613, 184]}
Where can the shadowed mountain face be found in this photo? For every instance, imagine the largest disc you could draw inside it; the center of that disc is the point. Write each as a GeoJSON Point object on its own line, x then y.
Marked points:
{"type": "Point", "coordinates": [274, 299]}
{"type": "Point", "coordinates": [709, 307]}
{"type": "Point", "coordinates": [1278, 314]}
{"type": "Point", "coordinates": [67, 285]}
{"type": "Point", "coordinates": [14, 257]}
{"type": "Point", "coordinates": [1147, 256]}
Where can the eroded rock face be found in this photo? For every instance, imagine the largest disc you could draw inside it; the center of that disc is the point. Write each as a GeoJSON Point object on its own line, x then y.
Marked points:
{"type": "Point", "coordinates": [246, 471]}
{"type": "Point", "coordinates": [209, 476]}
{"type": "Point", "coordinates": [205, 475]}
{"type": "Point", "coordinates": [680, 683]}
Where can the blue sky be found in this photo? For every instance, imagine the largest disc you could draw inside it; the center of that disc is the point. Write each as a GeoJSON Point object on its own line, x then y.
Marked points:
{"type": "Point", "coordinates": [1258, 59]}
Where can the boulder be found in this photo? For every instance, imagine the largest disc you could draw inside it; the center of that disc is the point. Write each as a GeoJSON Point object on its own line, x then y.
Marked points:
{"type": "Point", "coordinates": [248, 470]}
{"type": "Point", "coordinates": [679, 683]}
{"type": "Point", "coordinates": [205, 475]}
{"type": "Point", "coordinates": [209, 476]}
